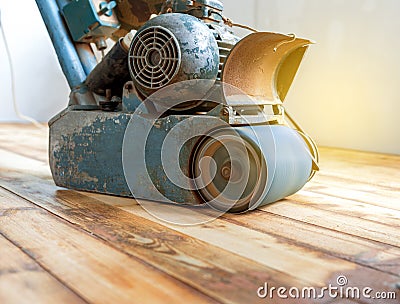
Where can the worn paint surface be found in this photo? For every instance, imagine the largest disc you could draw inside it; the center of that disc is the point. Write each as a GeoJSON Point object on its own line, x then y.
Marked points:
{"type": "Point", "coordinates": [185, 136]}
{"type": "Point", "coordinates": [86, 153]}
{"type": "Point", "coordinates": [84, 22]}
{"type": "Point", "coordinates": [198, 54]}
{"type": "Point", "coordinates": [130, 99]}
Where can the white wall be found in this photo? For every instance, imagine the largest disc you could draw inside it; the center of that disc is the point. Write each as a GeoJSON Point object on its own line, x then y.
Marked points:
{"type": "Point", "coordinates": [345, 94]}
{"type": "Point", "coordinates": [41, 88]}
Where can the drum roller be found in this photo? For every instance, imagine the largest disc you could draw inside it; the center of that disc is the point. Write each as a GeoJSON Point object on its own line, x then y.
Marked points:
{"type": "Point", "coordinates": [262, 165]}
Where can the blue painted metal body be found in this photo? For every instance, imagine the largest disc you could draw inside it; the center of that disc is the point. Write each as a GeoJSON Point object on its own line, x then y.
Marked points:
{"type": "Point", "coordinates": [196, 54]}
{"type": "Point", "coordinates": [86, 154]}
{"type": "Point", "coordinates": [93, 150]}
{"type": "Point", "coordinates": [85, 151]}
{"type": "Point", "coordinates": [87, 57]}
{"type": "Point", "coordinates": [62, 42]}
{"type": "Point", "coordinates": [86, 22]}
{"type": "Point", "coordinates": [87, 148]}
{"type": "Point", "coordinates": [130, 100]}
{"type": "Point", "coordinates": [85, 52]}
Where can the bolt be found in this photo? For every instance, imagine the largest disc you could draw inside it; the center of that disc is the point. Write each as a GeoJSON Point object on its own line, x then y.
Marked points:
{"type": "Point", "coordinates": [225, 112]}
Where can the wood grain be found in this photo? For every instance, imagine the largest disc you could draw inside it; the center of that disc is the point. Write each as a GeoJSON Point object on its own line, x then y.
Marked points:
{"type": "Point", "coordinates": [214, 271]}
{"type": "Point", "coordinates": [80, 246]}
{"type": "Point", "coordinates": [356, 191]}
{"type": "Point", "coordinates": [88, 266]}
{"type": "Point", "coordinates": [348, 207]}
{"type": "Point", "coordinates": [374, 231]}
{"type": "Point", "coordinates": [26, 140]}
{"type": "Point", "coordinates": [288, 256]}
{"type": "Point", "coordinates": [31, 283]}
{"type": "Point", "coordinates": [376, 255]}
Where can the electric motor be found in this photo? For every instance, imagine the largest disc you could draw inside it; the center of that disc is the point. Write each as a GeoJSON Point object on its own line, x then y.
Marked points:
{"type": "Point", "coordinates": [171, 48]}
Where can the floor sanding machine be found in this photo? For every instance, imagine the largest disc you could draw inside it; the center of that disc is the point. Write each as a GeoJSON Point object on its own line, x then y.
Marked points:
{"type": "Point", "coordinates": [168, 104]}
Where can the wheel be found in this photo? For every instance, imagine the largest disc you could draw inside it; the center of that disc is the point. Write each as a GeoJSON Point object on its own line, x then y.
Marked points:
{"type": "Point", "coordinates": [229, 171]}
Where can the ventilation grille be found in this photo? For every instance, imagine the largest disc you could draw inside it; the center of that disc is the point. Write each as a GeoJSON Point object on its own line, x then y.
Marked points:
{"type": "Point", "coordinates": [224, 50]}
{"type": "Point", "coordinates": [154, 57]}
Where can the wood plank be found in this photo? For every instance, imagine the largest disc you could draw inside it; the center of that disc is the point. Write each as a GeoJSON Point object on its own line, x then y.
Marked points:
{"type": "Point", "coordinates": [115, 201]}
{"type": "Point", "coordinates": [25, 140]}
{"type": "Point", "coordinates": [360, 192]}
{"type": "Point", "coordinates": [88, 266]}
{"type": "Point", "coordinates": [12, 162]}
{"type": "Point", "coordinates": [7, 126]}
{"type": "Point", "coordinates": [218, 273]}
{"type": "Point", "coordinates": [347, 180]}
{"type": "Point", "coordinates": [361, 157]}
{"type": "Point", "coordinates": [354, 226]}
{"type": "Point", "coordinates": [348, 207]}
{"type": "Point", "coordinates": [362, 167]}
{"type": "Point", "coordinates": [376, 255]}
{"type": "Point", "coordinates": [262, 248]}
{"type": "Point", "coordinates": [275, 250]}
{"type": "Point", "coordinates": [368, 174]}
{"type": "Point", "coordinates": [359, 250]}
{"type": "Point", "coordinates": [226, 261]}
{"type": "Point", "coordinates": [364, 252]}
{"type": "Point", "coordinates": [368, 178]}
{"type": "Point", "coordinates": [27, 152]}
{"type": "Point", "coordinates": [22, 280]}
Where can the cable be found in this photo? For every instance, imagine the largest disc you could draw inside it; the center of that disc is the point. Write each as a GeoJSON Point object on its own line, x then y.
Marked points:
{"type": "Point", "coordinates": [12, 76]}
{"type": "Point", "coordinates": [230, 23]}
{"type": "Point", "coordinates": [310, 142]}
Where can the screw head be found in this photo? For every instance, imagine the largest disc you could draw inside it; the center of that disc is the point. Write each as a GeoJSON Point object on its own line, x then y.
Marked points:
{"type": "Point", "coordinates": [225, 112]}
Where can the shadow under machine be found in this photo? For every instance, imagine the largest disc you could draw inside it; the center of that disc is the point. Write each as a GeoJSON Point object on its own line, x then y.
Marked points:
{"type": "Point", "coordinates": [179, 109]}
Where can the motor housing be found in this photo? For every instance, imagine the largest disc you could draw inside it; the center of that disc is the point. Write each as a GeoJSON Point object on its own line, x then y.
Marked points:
{"type": "Point", "coordinates": [171, 48]}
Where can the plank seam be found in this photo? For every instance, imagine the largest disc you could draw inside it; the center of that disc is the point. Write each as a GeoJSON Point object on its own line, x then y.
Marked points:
{"type": "Point", "coordinates": [327, 228]}
{"type": "Point", "coordinates": [107, 243]}
{"type": "Point", "coordinates": [354, 200]}
{"type": "Point", "coordinates": [48, 271]}
{"type": "Point", "coordinates": [310, 247]}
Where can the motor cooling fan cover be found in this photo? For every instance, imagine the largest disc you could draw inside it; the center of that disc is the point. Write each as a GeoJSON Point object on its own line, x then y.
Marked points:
{"type": "Point", "coordinates": [171, 48]}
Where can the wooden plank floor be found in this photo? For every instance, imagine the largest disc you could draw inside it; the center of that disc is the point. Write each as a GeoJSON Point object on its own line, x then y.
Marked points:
{"type": "Point", "coordinates": [63, 246]}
